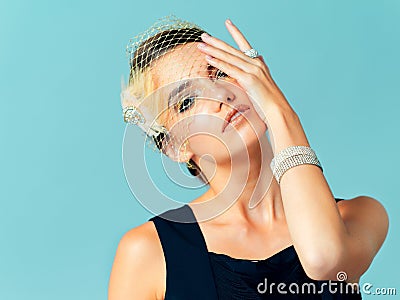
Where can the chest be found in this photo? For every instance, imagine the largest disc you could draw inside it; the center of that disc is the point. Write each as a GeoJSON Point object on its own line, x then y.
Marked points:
{"type": "Point", "coordinates": [244, 243]}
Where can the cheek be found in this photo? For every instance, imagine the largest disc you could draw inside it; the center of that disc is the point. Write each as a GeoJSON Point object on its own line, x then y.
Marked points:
{"type": "Point", "coordinates": [205, 136]}
{"type": "Point", "coordinates": [202, 144]}
{"type": "Point", "coordinates": [259, 128]}
{"type": "Point", "coordinates": [210, 130]}
{"type": "Point", "coordinates": [206, 123]}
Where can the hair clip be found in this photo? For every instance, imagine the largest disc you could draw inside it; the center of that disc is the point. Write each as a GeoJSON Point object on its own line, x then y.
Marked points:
{"type": "Point", "coordinates": [132, 115]}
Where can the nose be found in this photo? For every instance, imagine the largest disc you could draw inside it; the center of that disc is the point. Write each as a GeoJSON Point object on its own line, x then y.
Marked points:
{"type": "Point", "coordinates": [222, 95]}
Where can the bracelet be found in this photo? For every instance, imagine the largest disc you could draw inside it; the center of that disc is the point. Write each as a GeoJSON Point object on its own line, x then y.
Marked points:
{"type": "Point", "coordinates": [291, 157]}
{"type": "Point", "coordinates": [291, 151]}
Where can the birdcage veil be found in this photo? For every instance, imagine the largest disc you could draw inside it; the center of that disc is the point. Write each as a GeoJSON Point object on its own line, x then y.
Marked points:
{"type": "Point", "coordinates": [142, 103]}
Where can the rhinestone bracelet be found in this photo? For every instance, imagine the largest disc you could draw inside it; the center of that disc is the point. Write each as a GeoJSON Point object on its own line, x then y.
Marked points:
{"type": "Point", "coordinates": [291, 157]}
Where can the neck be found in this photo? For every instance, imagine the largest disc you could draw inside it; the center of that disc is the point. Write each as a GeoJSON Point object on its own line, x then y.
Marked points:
{"type": "Point", "coordinates": [243, 188]}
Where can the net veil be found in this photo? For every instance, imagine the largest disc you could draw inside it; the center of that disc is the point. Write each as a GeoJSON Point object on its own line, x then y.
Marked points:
{"type": "Point", "coordinates": [172, 95]}
{"type": "Point", "coordinates": [160, 59]}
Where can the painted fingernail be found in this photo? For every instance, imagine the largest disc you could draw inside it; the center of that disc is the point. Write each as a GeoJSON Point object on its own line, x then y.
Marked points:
{"type": "Point", "coordinates": [205, 35]}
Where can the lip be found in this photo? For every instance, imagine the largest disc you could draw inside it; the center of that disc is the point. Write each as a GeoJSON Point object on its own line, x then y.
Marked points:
{"type": "Point", "coordinates": [237, 108]}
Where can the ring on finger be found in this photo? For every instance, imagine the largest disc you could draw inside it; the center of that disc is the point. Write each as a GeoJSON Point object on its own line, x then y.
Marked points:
{"type": "Point", "coordinates": [251, 53]}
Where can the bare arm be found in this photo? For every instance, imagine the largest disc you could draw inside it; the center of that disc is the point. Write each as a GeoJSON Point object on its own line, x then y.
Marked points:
{"type": "Point", "coordinates": [327, 239]}
{"type": "Point", "coordinates": [325, 242]}
{"type": "Point", "coordinates": [137, 271]}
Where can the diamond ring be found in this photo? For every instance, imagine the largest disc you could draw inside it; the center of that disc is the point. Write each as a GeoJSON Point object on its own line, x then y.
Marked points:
{"type": "Point", "coordinates": [251, 53]}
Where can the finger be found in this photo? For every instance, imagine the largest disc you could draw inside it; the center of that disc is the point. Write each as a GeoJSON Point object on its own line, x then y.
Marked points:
{"type": "Point", "coordinates": [238, 36]}
{"type": "Point", "coordinates": [241, 41]}
{"type": "Point", "coordinates": [241, 76]}
{"type": "Point", "coordinates": [213, 41]}
{"type": "Point", "coordinates": [228, 57]}
{"type": "Point", "coordinates": [245, 80]}
{"type": "Point", "coordinates": [252, 67]}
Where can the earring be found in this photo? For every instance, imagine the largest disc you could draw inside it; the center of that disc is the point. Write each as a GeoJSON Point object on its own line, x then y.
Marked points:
{"type": "Point", "coordinates": [188, 163]}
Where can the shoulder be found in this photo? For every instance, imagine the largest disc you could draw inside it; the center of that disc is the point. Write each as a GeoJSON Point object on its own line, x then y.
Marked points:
{"type": "Point", "coordinates": [367, 222]}
{"type": "Point", "coordinates": [139, 266]}
{"type": "Point", "coordinates": [364, 208]}
{"type": "Point", "coordinates": [142, 236]}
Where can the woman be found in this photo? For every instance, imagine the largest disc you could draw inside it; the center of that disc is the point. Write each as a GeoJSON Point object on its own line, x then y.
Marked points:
{"type": "Point", "coordinates": [259, 225]}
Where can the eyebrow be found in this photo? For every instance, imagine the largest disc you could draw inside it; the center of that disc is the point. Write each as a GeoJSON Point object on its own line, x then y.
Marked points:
{"type": "Point", "coordinates": [176, 91]}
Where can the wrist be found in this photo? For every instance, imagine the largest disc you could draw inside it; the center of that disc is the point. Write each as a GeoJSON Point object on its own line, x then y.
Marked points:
{"type": "Point", "coordinates": [285, 129]}
{"type": "Point", "coordinates": [279, 112]}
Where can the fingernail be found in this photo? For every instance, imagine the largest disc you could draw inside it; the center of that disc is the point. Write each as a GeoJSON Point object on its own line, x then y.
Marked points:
{"type": "Point", "coordinates": [201, 45]}
{"type": "Point", "coordinates": [228, 21]}
{"type": "Point", "coordinates": [208, 57]}
{"type": "Point", "coordinates": [205, 35]}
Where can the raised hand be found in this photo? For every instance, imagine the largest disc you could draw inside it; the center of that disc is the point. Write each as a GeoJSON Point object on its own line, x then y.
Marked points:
{"type": "Point", "coordinates": [252, 74]}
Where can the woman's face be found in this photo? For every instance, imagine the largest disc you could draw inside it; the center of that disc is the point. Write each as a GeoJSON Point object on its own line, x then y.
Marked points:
{"type": "Point", "coordinates": [205, 107]}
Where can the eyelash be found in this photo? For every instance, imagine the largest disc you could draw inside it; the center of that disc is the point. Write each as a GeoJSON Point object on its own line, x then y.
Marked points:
{"type": "Point", "coordinates": [181, 106]}
{"type": "Point", "coordinates": [215, 73]}
{"type": "Point", "coordinates": [219, 74]}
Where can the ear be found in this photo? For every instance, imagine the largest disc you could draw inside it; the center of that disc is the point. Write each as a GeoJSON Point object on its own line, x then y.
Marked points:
{"type": "Point", "coordinates": [178, 153]}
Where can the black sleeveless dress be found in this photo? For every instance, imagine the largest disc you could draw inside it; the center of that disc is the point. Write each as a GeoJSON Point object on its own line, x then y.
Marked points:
{"type": "Point", "coordinates": [194, 273]}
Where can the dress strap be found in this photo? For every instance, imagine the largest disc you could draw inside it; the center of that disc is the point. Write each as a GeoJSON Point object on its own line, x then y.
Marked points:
{"type": "Point", "coordinates": [189, 273]}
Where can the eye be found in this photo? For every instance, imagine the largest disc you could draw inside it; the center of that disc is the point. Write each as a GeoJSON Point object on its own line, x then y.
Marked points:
{"type": "Point", "coordinates": [219, 74]}
{"type": "Point", "coordinates": [214, 73]}
{"type": "Point", "coordinates": [185, 104]}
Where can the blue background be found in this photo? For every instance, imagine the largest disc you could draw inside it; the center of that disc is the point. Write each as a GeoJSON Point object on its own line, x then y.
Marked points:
{"type": "Point", "coordinates": [65, 202]}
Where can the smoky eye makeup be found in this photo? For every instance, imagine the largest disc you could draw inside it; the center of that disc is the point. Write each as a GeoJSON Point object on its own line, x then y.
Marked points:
{"type": "Point", "coordinates": [185, 99]}
{"type": "Point", "coordinates": [219, 74]}
{"type": "Point", "coordinates": [185, 103]}
{"type": "Point", "coordinates": [215, 73]}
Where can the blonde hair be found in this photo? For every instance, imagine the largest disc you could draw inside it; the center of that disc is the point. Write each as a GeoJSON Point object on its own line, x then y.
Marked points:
{"type": "Point", "coordinates": [145, 51]}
